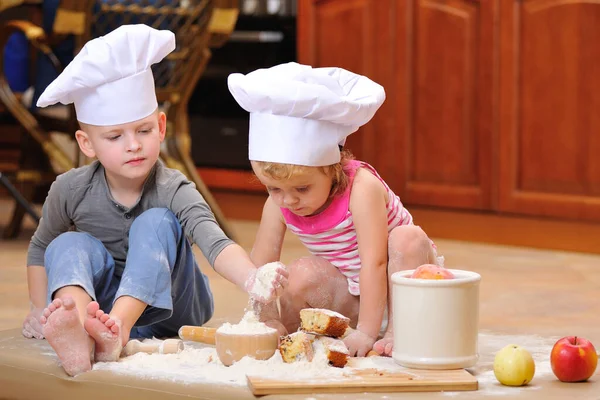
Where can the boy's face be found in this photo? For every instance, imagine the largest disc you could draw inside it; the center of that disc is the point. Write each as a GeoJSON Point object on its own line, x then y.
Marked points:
{"type": "Point", "coordinates": [127, 151]}
{"type": "Point", "coordinates": [304, 195]}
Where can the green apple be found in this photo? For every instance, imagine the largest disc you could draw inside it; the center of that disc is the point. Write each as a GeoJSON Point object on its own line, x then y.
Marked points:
{"type": "Point", "coordinates": [514, 366]}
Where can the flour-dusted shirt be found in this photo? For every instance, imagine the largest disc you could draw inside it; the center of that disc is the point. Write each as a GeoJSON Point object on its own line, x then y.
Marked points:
{"type": "Point", "coordinates": [331, 234]}
{"type": "Point", "coordinates": [80, 200]}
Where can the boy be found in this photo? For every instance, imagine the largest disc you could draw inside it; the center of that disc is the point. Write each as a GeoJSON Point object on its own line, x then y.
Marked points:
{"type": "Point", "coordinates": [111, 257]}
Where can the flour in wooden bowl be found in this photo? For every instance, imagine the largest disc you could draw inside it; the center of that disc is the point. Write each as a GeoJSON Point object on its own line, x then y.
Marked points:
{"type": "Point", "coordinates": [248, 325]}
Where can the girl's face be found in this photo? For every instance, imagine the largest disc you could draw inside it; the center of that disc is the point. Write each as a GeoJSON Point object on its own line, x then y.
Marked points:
{"type": "Point", "coordinates": [304, 195]}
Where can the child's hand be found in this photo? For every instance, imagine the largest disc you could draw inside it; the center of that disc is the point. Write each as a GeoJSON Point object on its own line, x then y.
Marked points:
{"type": "Point", "coordinates": [267, 282]}
{"type": "Point", "coordinates": [359, 343]}
{"type": "Point", "coordinates": [32, 327]}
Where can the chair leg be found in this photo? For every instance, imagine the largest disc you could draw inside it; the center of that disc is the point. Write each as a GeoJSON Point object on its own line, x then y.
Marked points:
{"type": "Point", "coordinates": [22, 206]}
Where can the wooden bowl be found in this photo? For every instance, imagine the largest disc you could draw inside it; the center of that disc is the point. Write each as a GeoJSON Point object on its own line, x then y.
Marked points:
{"type": "Point", "coordinates": [232, 347]}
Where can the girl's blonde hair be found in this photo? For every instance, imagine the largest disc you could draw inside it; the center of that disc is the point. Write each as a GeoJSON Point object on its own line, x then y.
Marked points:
{"type": "Point", "coordinates": [337, 172]}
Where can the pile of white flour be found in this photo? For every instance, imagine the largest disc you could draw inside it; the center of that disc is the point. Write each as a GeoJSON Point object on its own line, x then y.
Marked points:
{"type": "Point", "coordinates": [199, 363]}
{"type": "Point", "coordinates": [248, 325]}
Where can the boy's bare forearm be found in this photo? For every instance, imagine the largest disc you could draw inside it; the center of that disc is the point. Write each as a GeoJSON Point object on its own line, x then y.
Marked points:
{"type": "Point", "coordinates": [37, 282]}
{"type": "Point", "coordinates": [234, 264]}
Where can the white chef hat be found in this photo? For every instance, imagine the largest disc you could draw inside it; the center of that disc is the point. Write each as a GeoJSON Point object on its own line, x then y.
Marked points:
{"type": "Point", "coordinates": [110, 79]}
{"type": "Point", "coordinates": [300, 115]}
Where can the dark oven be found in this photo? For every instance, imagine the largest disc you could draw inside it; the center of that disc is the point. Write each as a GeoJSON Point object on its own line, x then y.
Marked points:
{"type": "Point", "coordinates": [264, 36]}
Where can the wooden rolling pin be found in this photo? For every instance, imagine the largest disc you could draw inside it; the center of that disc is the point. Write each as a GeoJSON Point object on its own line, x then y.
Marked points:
{"type": "Point", "coordinates": [168, 346]}
{"type": "Point", "coordinates": [200, 334]}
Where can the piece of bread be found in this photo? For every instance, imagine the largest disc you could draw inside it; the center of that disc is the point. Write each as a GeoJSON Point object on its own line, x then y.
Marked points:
{"type": "Point", "coordinates": [323, 322]}
{"type": "Point", "coordinates": [296, 346]}
{"type": "Point", "coordinates": [335, 350]}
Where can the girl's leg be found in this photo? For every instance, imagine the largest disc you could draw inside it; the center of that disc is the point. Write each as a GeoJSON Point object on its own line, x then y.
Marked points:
{"type": "Point", "coordinates": [76, 264]}
{"type": "Point", "coordinates": [316, 283]}
{"type": "Point", "coordinates": [408, 248]}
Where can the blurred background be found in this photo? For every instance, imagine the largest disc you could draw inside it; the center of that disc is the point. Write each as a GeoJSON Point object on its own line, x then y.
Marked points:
{"type": "Point", "coordinates": [488, 132]}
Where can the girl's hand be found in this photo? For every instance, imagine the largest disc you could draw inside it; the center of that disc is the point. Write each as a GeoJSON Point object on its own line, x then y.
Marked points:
{"type": "Point", "coordinates": [32, 327]}
{"type": "Point", "coordinates": [267, 282]}
{"type": "Point", "coordinates": [359, 343]}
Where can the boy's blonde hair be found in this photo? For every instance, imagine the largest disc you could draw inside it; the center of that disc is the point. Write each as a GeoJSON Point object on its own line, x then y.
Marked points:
{"type": "Point", "coordinates": [337, 172]}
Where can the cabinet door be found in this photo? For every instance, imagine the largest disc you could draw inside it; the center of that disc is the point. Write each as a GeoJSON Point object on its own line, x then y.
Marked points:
{"type": "Point", "coordinates": [444, 71]}
{"type": "Point", "coordinates": [355, 35]}
{"type": "Point", "coordinates": [550, 108]}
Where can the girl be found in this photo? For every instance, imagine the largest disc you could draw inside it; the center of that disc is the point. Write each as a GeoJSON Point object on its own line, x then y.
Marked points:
{"type": "Point", "coordinates": [354, 226]}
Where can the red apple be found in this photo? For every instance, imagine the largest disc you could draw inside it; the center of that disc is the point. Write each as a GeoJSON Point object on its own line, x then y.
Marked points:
{"type": "Point", "coordinates": [573, 359]}
{"type": "Point", "coordinates": [431, 271]}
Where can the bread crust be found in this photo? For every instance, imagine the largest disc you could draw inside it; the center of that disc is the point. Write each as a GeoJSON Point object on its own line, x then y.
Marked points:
{"type": "Point", "coordinates": [323, 322]}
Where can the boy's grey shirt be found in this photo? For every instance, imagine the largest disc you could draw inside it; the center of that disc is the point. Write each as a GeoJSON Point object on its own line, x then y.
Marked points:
{"type": "Point", "coordinates": [80, 200]}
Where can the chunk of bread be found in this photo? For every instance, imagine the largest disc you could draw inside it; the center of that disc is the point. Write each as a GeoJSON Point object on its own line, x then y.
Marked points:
{"type": "Point", "coordinates": [335, 350]}
{"type": "Point", "coordinates": [296, 346]}
{"type": "Point", "coordinates": [323, 322]}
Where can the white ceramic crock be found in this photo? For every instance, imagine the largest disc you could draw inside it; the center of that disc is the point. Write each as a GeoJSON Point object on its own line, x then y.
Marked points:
{"type": "Point", "coordinates": [436, 322]}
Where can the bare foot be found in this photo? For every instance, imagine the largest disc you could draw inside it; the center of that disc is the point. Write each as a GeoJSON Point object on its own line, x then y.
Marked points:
{"type": "Point", "coordinates": [105, 331]}
{"type": "Point", "coordinates": [385, 346]}
{"type": "Point", "coordinates": [62, 328]}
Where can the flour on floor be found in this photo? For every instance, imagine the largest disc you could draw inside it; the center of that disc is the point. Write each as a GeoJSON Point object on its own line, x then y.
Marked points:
{"type": "Point", "coordinates": [489, 344]}
{"type": "Point", "coordinates": [199, 363]}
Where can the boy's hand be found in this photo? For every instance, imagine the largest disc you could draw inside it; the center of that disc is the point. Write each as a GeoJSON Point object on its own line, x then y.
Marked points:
{"type": "Point", "coordinates": [267, 282]}
{"type": "Point", "coordinates": [359, 343]}
{"type": "Point", "coordinates": [32, 327]}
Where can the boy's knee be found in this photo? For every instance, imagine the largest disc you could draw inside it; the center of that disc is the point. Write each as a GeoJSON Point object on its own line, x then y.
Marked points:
{"type": "Point", "coordinates": [70, 239]}
{"type": "Point", "coordinates": [156, 218]}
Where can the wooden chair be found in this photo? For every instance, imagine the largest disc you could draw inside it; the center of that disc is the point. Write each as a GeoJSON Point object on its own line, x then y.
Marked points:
{"type": "Point", "coordinates": [198, 25]}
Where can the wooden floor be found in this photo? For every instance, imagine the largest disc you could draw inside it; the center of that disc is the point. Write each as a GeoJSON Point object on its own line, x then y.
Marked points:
{"type": "Point", "coordinates": [524, 291]}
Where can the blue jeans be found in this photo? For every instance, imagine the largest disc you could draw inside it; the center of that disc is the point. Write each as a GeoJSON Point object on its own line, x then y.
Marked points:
{"type": "Point", "coordinates": [160, 270]}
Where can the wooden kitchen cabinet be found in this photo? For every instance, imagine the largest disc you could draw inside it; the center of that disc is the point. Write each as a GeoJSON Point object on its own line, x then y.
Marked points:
{"type": "Point", "coordinates": [491, 105]}
{"type": "Point", "coordinates": [549, 121]}
{"type": "Point", "coordinates": [353, 34]}
{"type": "Point", "coordinates": [431, 140]}
{"type": "Point", "coordinates": [444, 80]}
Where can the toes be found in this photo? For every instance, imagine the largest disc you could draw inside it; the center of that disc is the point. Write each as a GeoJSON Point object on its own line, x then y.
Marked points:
{"type": "Point", "coordinates": [108, 321]}
{"type": "Point", "coordinates": [114, 329]}
{"type": "Point", "coordinates": [384, 346]}
{"type": "Point", "coordinates": [46, 313]}
{"type": "Point", "coordinates": [92, 308]}
{"type": "Point", "coordinates": [68, 302]}
{"type": "Point", "coordinates": [104, 318]}
{"type": "Point", "coordinates": [389, 348]}
{"type": "Point", "coordinates": [43, 319]}
{"type": "Point", "coordinates": [26, 332]}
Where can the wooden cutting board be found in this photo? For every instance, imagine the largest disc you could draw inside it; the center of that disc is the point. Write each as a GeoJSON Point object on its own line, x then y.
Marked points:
{"type": "Point", "coordinates": [370, 380]}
